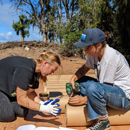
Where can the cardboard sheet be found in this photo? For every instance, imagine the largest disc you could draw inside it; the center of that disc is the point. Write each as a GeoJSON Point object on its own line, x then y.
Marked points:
{"type": "Point", "coordinates": [78, 116]}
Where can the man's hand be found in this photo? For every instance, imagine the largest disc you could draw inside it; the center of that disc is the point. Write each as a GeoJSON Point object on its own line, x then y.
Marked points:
{"type": "Point", "coordinates": [50, 107]}
{"type": "Point", "coordinates": [77, 100]}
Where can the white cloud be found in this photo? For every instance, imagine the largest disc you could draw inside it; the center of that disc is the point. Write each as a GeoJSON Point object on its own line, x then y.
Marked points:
{"type": "Point", "coordinates": [7, 37]}
{"type": "Point", "coordinates": [7, 33]}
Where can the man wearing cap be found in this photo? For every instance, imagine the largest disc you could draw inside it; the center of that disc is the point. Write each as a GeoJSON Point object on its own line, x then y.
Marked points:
{"type": "Point", "coordinates": [112, 86]}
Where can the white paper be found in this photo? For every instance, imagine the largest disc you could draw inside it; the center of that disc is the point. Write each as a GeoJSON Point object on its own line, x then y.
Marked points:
{"type": "Point", "coordinates": [63, 128]}
{"type": "Point", "coordinates": [33, 127]}
{"type": "Point", "coordinates": [46, 128]}
{"type": "Point", "coordinates": [26, 127]}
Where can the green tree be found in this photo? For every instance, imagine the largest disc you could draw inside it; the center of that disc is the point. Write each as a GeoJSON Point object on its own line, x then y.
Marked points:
{"type": "Point", "coordinates": [36, 11]}
{"type": "Point", "coordinates": [42, 12]}
{"type": "Point", "coordinates": [71, 7]}
{"type": "Point", "coordinates": [21, 25]}
{"type": "Point", "coordinates": [59, 23]}
{"type": "Point", "coordinates": [49, 15]}
{"type": "Point", "coordinates": [122, 9]}
{"type": "Point", "coordinates": [85, 17]}
{"type": "Point", "coordinates": [106, 15]}
{"type": "Point", "coordinates": [65, 11]}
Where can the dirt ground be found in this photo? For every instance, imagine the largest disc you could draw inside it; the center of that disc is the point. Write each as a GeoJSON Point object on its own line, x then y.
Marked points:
{"type": "Point", "coordinates": [69, 64]}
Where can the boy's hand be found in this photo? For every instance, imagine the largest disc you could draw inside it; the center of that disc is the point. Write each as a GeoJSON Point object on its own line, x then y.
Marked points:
{"type": "Point", "coordinates": [77, 100]}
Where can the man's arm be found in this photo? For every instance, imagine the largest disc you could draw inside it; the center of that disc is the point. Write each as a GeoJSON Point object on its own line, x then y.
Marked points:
{"type": "Point", "coordinates": [48, 106]}
{"type": "Point", "coordinates": [33, 95]}
{"type": "Point", "coordinates": [80, 73]}
{"type": "Point", "coordinates": [24, 100]}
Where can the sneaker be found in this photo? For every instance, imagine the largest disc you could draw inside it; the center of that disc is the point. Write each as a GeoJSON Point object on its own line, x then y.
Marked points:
{"type": "Point", "coordinates": [101, 125]}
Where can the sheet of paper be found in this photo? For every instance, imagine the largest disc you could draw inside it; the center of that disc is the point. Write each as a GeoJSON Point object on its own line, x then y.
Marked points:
{"type": "Point", "coordinates": [26, 127]}
{"type": "Point", "coordinates": [64, 128]}
{"type": "Point", "coordinates": [46, 128]}
{"type": "Point", "coordinates": [33, 127]}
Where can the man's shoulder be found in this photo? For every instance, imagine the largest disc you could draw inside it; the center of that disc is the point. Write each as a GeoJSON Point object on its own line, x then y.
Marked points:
{"type": "Point", "coordinates": [112, 56]}
{"type": "Point", "coordinates": [23, 62]}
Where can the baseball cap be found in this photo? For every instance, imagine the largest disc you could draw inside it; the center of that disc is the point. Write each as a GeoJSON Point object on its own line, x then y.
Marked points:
{"type": "Point", "coordinates": [91, 36]}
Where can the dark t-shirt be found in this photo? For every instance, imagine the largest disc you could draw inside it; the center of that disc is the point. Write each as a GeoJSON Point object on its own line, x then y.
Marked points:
{"type": "Point", "coordinates": [17, 71]}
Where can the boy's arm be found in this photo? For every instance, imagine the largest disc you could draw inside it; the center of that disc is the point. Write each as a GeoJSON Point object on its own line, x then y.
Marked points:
{"type": "Point", "coordinates": [80, 73]}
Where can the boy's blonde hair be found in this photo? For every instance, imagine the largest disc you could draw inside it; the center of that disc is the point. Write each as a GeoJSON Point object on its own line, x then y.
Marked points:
{"type": "Point", "coordinates": [50, 57]}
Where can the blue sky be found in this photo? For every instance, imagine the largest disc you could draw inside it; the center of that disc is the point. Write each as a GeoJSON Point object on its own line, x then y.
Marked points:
{"type": "Point", "coordinates": [7, 33]}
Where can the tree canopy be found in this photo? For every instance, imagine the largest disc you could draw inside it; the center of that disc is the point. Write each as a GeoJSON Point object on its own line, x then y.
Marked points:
{"type": "Point", "coordinates": [21, 25]}
{"type": "Point", "coordinates": [64, 21]}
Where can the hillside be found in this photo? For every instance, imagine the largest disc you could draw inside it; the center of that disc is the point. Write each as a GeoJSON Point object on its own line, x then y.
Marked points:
{"type": "Point", "coordinates": [33, 49]}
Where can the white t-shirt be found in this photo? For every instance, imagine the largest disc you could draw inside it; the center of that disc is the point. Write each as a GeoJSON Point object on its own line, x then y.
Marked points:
{"type": "Point", "coordinates": [113, 68]}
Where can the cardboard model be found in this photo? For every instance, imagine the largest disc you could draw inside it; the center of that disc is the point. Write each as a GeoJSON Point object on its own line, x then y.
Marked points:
{"type": "Point", "coordinates": [78, 116]}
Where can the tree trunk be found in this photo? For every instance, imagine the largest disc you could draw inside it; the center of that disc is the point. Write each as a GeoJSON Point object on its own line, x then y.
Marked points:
{"type": "Point", "coordinates": [21, 34]}
{"type": "Point", "coordinates": [44, 36]}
